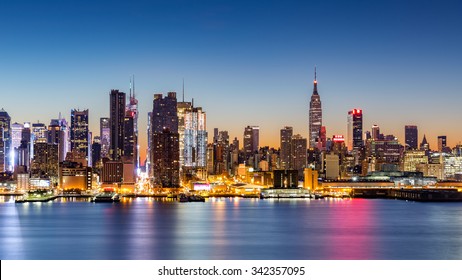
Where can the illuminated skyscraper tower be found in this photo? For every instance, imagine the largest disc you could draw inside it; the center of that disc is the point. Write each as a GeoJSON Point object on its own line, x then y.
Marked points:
{"type": "Point", "coordinates": [105, 136]}
{"type": "Point", "coordinates": [80, 136]}
{"type": "Point", "coordinates": [355, 129]}
{"type": "Point", "coordinates": [132, 112]}
{"type": "Point", "coordinates": [5, 141]}
{"type": "Point", "coordinates": [195, 139]}
{"type": "Point", "coordinates": [315, 118]}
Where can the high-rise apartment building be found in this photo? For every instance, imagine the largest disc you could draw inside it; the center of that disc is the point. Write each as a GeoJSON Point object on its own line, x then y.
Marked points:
{"type": "Point", "coordinates": [315, 115]}
{"type": "Point", "coordinates": [80, 136]}
{"type": "Point", "coordinates": [411, 137]}
{"type": "Point", "coordinates": [286, 147]}
{"type": "Point", "coordinates": [5, 142]}
{"type": "Point", "coordinates": [355, 129]}
{"type": "Point", "coordinates": [165, 147]}
{"type": "Point", "coordinates": [116, 124]}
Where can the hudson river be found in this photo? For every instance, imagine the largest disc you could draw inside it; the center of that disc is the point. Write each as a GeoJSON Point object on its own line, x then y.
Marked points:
{"type": "Point", "coordinates": [231, 228]}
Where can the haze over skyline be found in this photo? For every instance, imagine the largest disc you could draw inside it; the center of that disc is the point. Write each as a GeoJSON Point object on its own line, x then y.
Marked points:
{"type": "Point", "coordinates": [245, 63]}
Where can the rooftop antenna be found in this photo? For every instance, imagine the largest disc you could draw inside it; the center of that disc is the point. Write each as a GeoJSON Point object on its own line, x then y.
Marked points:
{"type": "Point", "coordinates": [183, 89]}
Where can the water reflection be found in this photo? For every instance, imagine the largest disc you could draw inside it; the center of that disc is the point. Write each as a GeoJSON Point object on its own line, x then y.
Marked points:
{"type": "Point", "coordinates": [231, 228]}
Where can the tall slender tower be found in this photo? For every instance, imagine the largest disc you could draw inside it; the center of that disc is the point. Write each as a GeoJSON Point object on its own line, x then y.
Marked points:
{"type": "Point", "coordinates": [132, 109]}
{"type": "Point", "coordinates": [5, 141]}
{"type": "Point", "coordinates": [116, 124]}
{"type": "Point", "coordinates": [315, 121]}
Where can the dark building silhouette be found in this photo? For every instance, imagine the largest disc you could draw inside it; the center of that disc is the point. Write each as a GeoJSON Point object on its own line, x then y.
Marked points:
{"type": "Point", "coordinates": [116, 124]}
{"type": "Point", "coordinates": [129, 136]}
{"type": "Point", "coordinates": [165, 146]}
{"type": "Point", "coordinates": [355, 129]}
{"type": "Point", "coordinates": [285, 178]}
{"type": "Point", "coordinates": [411, 137]}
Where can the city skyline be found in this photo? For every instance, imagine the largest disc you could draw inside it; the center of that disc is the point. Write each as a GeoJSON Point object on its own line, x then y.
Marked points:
{"type": "Point", "coordinates": [398, 63]}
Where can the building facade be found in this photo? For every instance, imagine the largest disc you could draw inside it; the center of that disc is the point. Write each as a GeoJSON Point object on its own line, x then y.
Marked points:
{"type": "Point", "coordinates": [80, 135]}
{"type": "Point", "coordinates": [411, 137]}
{"type": "Point", "coordinates": [116, 124]}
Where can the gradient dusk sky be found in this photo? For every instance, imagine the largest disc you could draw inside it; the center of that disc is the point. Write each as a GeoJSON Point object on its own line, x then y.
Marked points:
{"type": "Point", "coordinates": [244, 62]}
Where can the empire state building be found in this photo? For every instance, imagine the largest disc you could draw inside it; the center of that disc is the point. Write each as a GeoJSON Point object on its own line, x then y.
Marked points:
{"type": "Point", "coordinates": [315, 121]}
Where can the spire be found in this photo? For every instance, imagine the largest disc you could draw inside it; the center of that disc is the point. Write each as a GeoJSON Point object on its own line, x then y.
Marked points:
{"type": "Point", "coordinates": [130, 87]}
{"type": "Point", "coordinates": [424, 140]}
{"type": "Point", "coordinates": [133, 86]}
{"type": "Point", "coordinates": [315, 83]}
{"type": "Point", "coordinates": [183, 89]}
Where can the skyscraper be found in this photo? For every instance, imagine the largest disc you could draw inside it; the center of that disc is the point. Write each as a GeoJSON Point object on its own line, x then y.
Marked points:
{"type": "Point", "coordinates": [299, 154]}
{"type": "Point", "coordinates": [181, 108]}
{"type": "Point", "coordinates": [5, 142]}
{"type": "Point", "coordinates": [39, 132]}
{"type": "Point", "coordinates": [132, 107]}
{"type": "Point", "coordinates": [411, 137]}
{"type": "Point", "coordinates": [441, 143]}
{"type": "Point", "coordinates": [63, 136]}
{"type": "Point", "coordinates": [286, 144]}
{"type": "Point", "coordinates": [129, 146]}
{"type": "Point", "coordinates": [16, 136]}
{"type": "Point", "coordinates": [116, 124]}
{"type": "Point", "coordinates": [105, 135]}
{"type": "Point", "coordinates": [165, 147]}
{"type": "Point", "coordinates": [355, 129]}
{"type": "Point", "coordinates": [375, 132]}
{"type": "Point", "coordinates": [195, 138]}
{"type": "Point", "coordinates": [315, 117]}
{"type": "Point", "coordinates": [80, 136]}
{"type": "Point", "coordinates": [251, 142]}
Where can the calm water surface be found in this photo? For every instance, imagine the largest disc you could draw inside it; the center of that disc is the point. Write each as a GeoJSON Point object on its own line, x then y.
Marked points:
{"type": "Point", "coordinates": [231, 228]}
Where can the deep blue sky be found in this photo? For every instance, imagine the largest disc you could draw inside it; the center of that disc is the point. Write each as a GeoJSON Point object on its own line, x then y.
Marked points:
{"type": "Point", "coordinates": [244, 62]}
